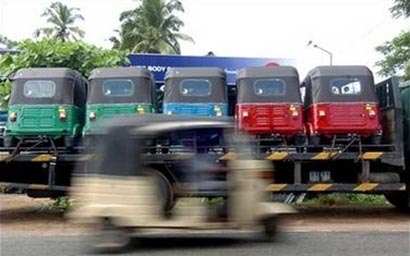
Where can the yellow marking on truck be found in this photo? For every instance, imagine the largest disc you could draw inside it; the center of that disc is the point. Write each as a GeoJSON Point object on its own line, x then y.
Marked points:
{"type": "Point", "coordinates": [86, 157]}
{"type": "Point", "coordinates": [4, 157]}
{"type": "Point", "coordinates": [366, 187]}
{"type": "Point", "coordinates": [403, 187]}
{"type": "Point", "coordinates": [320, 187]}
{"type": "Point", "coordinates": [372, 155]}
{"type": "Point", "coordinates": [42, 158]}
{"type": "Point", "coordinates": [184, 156]}
{"type": "Point", "coordinates": [276, 187]}
{"type": "Point", "coordinates": [228, 156]}
{"type": "Point", "coordinates": [325, 155]}
{"type": "Point", "coordinates": [278, 156]}
{"type": "Point", "coordinates": [38, 186]}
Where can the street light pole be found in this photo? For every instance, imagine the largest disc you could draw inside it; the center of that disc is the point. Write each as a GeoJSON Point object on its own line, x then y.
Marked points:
{"type": "Point", "coordinates": [323, 50]}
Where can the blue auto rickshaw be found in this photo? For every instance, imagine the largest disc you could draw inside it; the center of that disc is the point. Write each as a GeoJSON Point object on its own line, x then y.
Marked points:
{"type": "Point", "coordinates": [195, 91]}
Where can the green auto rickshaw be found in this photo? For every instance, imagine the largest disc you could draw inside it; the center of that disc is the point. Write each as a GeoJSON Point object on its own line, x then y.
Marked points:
{"type": "Point", "coordinates": [46, 106]}
{"type": "Point", "coordinates": [118, 91]}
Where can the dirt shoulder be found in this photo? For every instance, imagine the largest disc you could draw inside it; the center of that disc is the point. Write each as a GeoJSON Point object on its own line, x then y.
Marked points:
{"type": "Point", "coordinates": [21, 214]}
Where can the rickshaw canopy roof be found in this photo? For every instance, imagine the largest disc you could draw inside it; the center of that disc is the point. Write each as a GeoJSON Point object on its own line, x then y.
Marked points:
{"type": "Point", "coordinates": [325, 84]}
{"type": "Point", "coordinates": [66, 86]}
{"type": "Point", "coordinates": [267, 72]}
{"type": "Point", "coordinates": [121, 148]}
{"type": "Point", "coordinates": [194, 72]}
{"type": "Point", "coordinates": [274, 84]}
{"type": "Point", "coordinates": [337, 71]}
{"type": "Point", "coordinates": [45, 73]}
{"type": "Point", "coordinates": [132, 84]}
{"type": "Point", "coordinates": [120, 72]}
{"type": "Point", "coordinates": [195, 85]}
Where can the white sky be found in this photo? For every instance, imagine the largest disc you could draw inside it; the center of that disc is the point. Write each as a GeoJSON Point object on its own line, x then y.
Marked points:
{"type": "Point", "coordinates": [351, 29]}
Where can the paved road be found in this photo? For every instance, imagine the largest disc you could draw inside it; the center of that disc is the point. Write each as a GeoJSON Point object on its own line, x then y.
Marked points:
{"type": "Point", "coordinates": [290, 243]}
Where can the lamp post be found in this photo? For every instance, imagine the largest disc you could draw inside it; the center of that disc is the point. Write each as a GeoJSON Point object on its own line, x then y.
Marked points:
{"type": "Point", "coordinates": [323, 50]}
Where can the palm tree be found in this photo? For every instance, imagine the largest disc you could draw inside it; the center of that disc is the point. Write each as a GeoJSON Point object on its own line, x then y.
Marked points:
{"type": "Point", "coordinates": [62, 19]}
{"type": "Point", "coordinates": [152, 28]}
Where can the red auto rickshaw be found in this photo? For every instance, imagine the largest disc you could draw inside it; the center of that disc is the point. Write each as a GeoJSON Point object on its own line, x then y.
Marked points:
{"type": "Point", "coordinates": [269, 103]}
{"type": "Point", "coordinates": [341, 103]}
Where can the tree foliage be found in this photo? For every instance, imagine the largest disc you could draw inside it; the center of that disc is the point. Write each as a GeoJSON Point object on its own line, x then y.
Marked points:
{"type": "Point", "coordinates": [152, 27]}
{"type": "Point", "coordinates": [55, 53]}
{"type": "Point", "coordinates": [401, 8]}
{"type": "Point", "coordinates": [62, 19]}
{"type": "Point", "coordinates": [396, 56]}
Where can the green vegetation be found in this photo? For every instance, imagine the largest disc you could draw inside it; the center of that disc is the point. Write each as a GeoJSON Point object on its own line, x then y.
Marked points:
{"type": "Point", "coordinates": [152, 27]}
{"type": "Point", "coordinates": [397, 51]}
{"type": "Point", "coordinates": [56, 53]}
{"type": "Point", "coordinates": [396, 56]}
{"type": "Point", "coordinates": [61, 204]}
{"type": "Point", "coordinates": [62, 19]}
{"type": "Point", "coordinates": [401, 8]}
{"type": "Point", "coordinates": [337, 199]}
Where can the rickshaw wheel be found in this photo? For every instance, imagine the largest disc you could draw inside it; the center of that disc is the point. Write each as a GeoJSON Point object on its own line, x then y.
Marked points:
{"type": "Point", "coordinates": [270, 228]}
{"type": "Point", "coordinates": [165, 190]}
{"type": "Point", "coordinates": [108, 238]}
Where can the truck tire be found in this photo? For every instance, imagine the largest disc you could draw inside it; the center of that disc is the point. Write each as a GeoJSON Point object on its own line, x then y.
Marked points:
{"type": "Point", "coordinates": [399, 200]}
{"type": "Point", "coordinates": [9, 141]}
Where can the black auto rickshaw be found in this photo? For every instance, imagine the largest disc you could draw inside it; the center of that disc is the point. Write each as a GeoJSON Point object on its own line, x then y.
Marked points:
{"type": "Point", "coordinates": [46, 104]}
{"type": "Point", "coordinates": [118, 91]}
{"type": "Point", "coordinates": [341, 105]}
{"type": "Point", "coordinates": [125, 188]}
{"type": "Point", "coordinates": [269, 104]}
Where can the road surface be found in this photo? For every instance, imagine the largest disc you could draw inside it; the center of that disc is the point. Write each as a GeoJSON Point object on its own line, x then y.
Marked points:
{"type": "Point", "coordinates": [289, 243]}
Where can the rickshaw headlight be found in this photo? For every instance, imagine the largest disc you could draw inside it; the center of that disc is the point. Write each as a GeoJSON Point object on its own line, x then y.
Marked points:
{"type": "Point", "coordinates": [92, 116]}
{"type": "Point", "coordinates": [13, 117]}
{"type": "Point", "coordinates": [372, 113]}
{"type": "Point", "coordinates": [140, 110]}
{"type": "Point", "coordinates": [371, 110]}
{"type": "Point", "coordinates": [245, 114]}
{"type": "Point", "coordinates": [62, 114]}
{"type": "Point", "coordinates": [169, 112]}
{"type": "Point", "coordinates": [322, 113]}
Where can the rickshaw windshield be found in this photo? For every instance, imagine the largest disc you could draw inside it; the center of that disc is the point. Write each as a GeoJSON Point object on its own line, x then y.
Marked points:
{"type": "Point", "coordinates": [195, 87]}
{"type": "Point", "coordinates": [346, 86]}
{"type": "Point", "coordinates": [269, 87]}
{"type": "Point", "coordinates": [39, 89]}
{"type": "Point", "coordinates": [118, 87]}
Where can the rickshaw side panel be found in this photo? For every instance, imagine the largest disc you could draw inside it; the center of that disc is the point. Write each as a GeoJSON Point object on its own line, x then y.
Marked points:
{"type": "Point", "coordinates": [344, 118]}
{"type": "Point", "coordinates": [199, 109]}
{"type": "Point", "coordinates": [45, 120]}
{"type": "Point", "coordinates": [283, 118]}
{"type": "Point", "coordinates": [104, 111]}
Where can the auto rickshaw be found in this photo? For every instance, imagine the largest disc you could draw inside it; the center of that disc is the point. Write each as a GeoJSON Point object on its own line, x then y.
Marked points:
{"type": "Point", "coordinates": [195, 91]}
{"type": "Point", "coordinates": [118, 91]}
{"type": "Point", "coordinates": [123, 191]}
{"type": "Point", "coordinates": [341, 105]}
{"type": "Point", "coordinates": [269, 104]}
{"type": "Point", "coordinates": [46, 104]}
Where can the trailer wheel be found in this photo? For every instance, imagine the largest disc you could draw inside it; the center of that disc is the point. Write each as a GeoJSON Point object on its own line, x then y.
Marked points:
{"type": "Point", "coordinates": [108, 238]}
{"type": "Point", "coordinates": [399, 200]}
{"type": "Point", "coordinates": [9, 141]}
